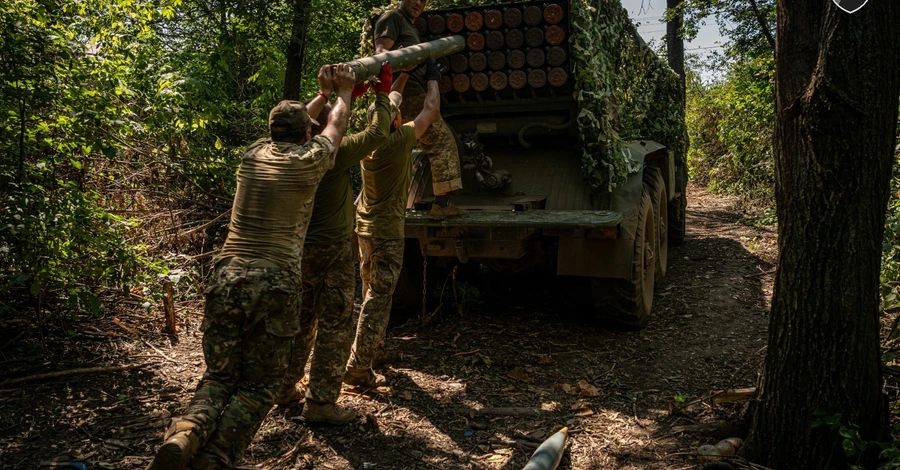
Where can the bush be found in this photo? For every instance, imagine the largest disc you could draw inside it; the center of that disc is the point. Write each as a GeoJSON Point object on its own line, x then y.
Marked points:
{"type": "Point", "coordinates": [731, 125]}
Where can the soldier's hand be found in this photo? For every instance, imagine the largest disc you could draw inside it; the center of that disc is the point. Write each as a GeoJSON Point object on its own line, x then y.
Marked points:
{"type": "Point", "coordinates": [325, 80]}
{"type": "Point", "coordinates": [432, 71]}
{"type": "Point", "coordinates": [385, 79]}
{"type": "Point", "coordinates": [344, 78]}
{"type": "Point", "coordinates": [359, 90]}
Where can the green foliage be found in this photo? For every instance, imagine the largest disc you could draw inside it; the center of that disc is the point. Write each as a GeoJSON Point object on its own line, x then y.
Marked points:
{"type": "Point", "coordinates": [731, 125]}
{"type": "Point", "coordinates": [854, 446]}
{"type": "Point", "coordinates": [122, 123]}
{"type": "Point", "coordinates": [623, 88]}
{"type": "Point", "coordinates": [890, 264]}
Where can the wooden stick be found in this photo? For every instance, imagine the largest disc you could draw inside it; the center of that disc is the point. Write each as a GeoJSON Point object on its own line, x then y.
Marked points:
{"type": "Point", "coordinates": [466, 353]}
{"type": "Point", "coordinates": [127, 329]}
{"type": "Point", "coordinates": [506, 411]}
{"type": "Point", "coordinates": [66, 373]}
{"type": "Point", "coordinates": [729, 396]}
{"type": "Point", "coordinates": [759, 274]}
{"type": "Point", "coordinates": [164, 356]}
{"type": "Point", "coordinates": [169, 308]}
{"type": "Point", "coordinates": [513, 443]}
{"type": "Point", "coordinates": [357, 395]}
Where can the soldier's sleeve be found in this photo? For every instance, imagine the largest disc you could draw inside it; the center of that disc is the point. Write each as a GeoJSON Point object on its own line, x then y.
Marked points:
{"type": "Point", "coordinates": [388, 26]}
{"type": "Point", "coordinates": [323, 152]}
{"type": "Point", "coordinates": [357, 146]}
{"type": "Point", "coordinates": [409, 131]}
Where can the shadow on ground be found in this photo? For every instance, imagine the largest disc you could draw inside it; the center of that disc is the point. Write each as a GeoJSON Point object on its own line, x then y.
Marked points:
{"type": "Point", "coordinates": [529, 340]}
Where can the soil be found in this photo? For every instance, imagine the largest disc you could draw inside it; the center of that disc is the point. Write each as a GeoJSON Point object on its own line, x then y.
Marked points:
{"type": "Point", "coordinates": [522, 341]}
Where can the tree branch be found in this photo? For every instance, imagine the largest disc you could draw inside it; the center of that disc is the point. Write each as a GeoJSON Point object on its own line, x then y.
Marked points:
{"type": "Point", "coordinates": [762, 23]}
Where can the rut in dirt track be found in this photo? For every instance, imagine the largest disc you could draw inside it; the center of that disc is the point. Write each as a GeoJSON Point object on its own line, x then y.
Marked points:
{"type": "Point", "coordinates": [524, 346]}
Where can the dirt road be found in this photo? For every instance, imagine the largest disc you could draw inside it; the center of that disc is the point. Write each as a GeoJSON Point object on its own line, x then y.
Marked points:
{"type": "Point", "coordinates": [525, 343]}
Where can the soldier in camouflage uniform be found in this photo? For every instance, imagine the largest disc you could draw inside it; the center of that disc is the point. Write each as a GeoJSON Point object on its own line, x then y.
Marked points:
{"type": "Point", "coordinates": [379, 224]}
{"type": "Point", "coordinates": [329, 268]}
{"type": "Point", "coordinates": [251, 311]}
{"type": "Point", "coordinates": [395, 29]}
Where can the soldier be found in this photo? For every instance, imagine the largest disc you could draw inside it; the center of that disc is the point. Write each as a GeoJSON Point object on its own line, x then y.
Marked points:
{"type": "Point", "coordinates": [379, 225]}
{"type": "Point", "coordinates": [329, 267]}
{"type": "Point", "coordinates": [251, 313]}
{"type": "Point", "coordinates": [393, 30]}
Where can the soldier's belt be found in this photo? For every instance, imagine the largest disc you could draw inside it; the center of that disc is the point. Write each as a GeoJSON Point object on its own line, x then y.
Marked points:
{"type": "Point", "coordinates": [248, 263]}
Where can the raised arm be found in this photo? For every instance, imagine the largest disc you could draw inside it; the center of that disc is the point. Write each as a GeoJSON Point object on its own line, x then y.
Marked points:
{"type": "Point", "coordinates": [344, 79]}
{"type": "Point", "coordinates": [314, 107]}
{"type": "Point", "coordinates": [400, 82]}
{"type": "Point", "coordinates": [383, 44]}
{"type": "Point", "coordinates": [387, 28]}
{"type": "Point", "coordinates": [357, 146]}
{"type": "Point", "coordinates": [432, 108]}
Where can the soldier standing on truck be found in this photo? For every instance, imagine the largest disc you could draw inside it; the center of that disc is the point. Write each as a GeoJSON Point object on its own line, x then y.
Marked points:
{"type": "Point", "coordinates": [251, 313]}
{"type": "Point", "coordinates": [380, 217]}
{"type": "Point", "coordinates": [329, 267]}
{"type": "Point", "coordinates": [393, 30]}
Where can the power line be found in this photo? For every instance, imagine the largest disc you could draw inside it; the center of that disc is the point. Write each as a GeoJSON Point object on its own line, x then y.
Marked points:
{"type": "Point", "coordinates": [704, 48]}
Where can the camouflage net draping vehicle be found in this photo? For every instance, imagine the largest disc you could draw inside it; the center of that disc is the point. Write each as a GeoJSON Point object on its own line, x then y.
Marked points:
{"type": "Point", "coordinates": [571, 133]}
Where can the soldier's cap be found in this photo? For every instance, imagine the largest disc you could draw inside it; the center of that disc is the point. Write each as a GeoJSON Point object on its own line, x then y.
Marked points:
{"type": "Point", "coordinates": [396, 100]}
{"type": "Point", "coordinates": [289, 116]}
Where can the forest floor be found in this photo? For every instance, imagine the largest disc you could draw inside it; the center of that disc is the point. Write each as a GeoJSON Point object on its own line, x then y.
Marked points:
{"type": "Point", "coordinates": [645, 395]}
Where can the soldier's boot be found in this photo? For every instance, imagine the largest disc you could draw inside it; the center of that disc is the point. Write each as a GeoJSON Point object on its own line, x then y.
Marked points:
{"type": "Point", "coordinates": [386, 356]}
{"type": "Point", "coordinates": [327, 413]}
{"type": "Point", "coordinates": [362, 378]}
{"type": "Point", "coordinates": [178, 449]}
{"type": "Point", "coordinates": [439, 212]}
{"type": "Point", "coordinates": [290, 394]}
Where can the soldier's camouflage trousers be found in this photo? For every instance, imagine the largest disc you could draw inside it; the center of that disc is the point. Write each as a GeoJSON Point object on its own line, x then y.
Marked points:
{"type": "Point", "coordinates": [326, 315]}
{"type": "Point", "coordinates": [379, 268]}
{"type": "Point", "coordinates": [440, 146]}
{"type": "Point", "coordinates": [248, 328]}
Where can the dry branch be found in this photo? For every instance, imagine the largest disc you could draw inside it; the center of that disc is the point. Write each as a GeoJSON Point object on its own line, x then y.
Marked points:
{"type": "Point", "coordinates": [729, 396]}
{"type": "Point", "coordinates": [506, 411]}
{"type": "Point", "coordinates": [169, 308]}
{"type": "Point", "coordinates": [66, 373]}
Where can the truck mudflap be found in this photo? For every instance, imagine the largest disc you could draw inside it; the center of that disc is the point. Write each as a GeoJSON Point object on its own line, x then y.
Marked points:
{"type": "Point", "coordinates": [539, 219]}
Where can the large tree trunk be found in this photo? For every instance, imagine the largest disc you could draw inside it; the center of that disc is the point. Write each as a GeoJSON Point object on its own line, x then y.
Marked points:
{"type": "Point", "coordinates": [293, 75]}
{"type": "Point", "coordinates": [838, 82]}
{"type": "Point", "coordinates": [675, 40]}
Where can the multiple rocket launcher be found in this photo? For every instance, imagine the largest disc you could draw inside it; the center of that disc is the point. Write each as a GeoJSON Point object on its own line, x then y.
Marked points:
{"type": "Point", "coordinates": [508, 47]}
{"type": "Point", "coordinates": [490, 53]}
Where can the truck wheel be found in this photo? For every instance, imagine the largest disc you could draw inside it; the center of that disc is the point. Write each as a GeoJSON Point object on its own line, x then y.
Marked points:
{"type": "Point", "coordinates": [677, 216]}
{"type": "Point", "coordinates": [678, 213]}
{"type": "Point", "coordinates": [627, 302]}
{"type": "Point", "coordinates": [653, 180]}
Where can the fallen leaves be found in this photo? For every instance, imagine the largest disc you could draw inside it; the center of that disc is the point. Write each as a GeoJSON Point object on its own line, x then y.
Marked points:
{"type": "Point", "coordinates": [519, 375]}
{"type": "Point", "coordinates": [582, 389]}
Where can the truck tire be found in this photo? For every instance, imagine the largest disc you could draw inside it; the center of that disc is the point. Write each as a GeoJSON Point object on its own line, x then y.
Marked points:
{"type": "Point", "coordinates": [653, 179]}
{"type": "Point", "coordinates": [678, 209]}
{"type": "Point", "coordinates": [627, 303]}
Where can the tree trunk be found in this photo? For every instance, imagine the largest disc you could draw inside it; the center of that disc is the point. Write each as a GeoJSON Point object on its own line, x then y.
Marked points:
{"type": "Point", "coordinates": [293, 75]}
{"type": "Point", "coordinates": [836, 103]}
{"type": "Point", "coordinates": [675, 41]}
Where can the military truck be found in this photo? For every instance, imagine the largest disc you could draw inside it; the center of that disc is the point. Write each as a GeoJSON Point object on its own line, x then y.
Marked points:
{"type": "Point", "coordinates": [512, 99]}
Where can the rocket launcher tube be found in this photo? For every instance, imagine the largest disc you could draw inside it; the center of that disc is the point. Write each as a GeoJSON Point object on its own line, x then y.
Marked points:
{"type": "Point", "coordinates": [407, 57]}
{"type": "Point", "coordinates": [550, 453]}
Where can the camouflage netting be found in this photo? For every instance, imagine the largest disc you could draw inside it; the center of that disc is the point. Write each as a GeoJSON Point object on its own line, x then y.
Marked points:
{"type": "Point", "coordinates": [624, 89]}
